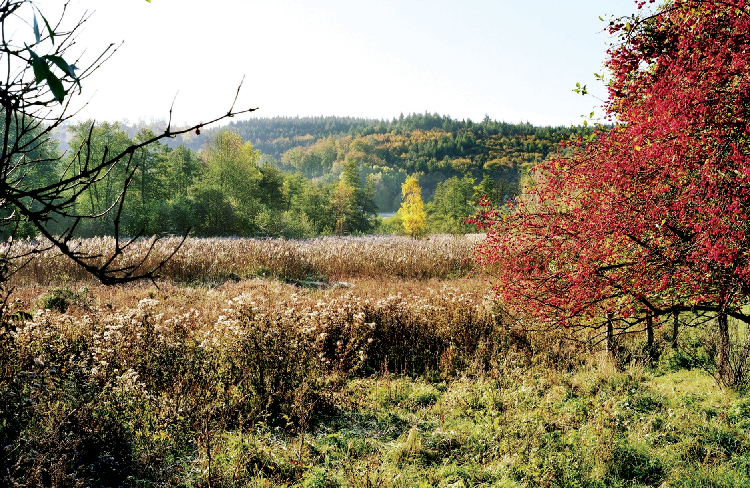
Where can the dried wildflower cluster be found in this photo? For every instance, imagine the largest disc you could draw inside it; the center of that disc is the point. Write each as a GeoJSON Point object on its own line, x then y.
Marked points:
{"type": "Point", "coordinates": [215, 259]}
{"type": "Point", "coordinates": [141, 376]}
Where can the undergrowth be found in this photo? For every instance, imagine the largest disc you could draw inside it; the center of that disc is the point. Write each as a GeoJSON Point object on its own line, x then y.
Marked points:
{"type": "Point", "coordinates": [383, 384]}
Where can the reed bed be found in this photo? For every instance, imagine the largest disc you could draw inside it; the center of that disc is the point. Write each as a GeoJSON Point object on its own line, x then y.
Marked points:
{"type": "Point", "coordinates": [217, 259]}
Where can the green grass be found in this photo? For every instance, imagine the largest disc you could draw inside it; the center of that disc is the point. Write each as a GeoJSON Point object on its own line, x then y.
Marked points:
{"type": "Point", "coordinates": [534, 429]}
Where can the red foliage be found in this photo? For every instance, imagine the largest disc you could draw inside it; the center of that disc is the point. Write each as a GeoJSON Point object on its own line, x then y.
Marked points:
{"type": "Point", "coordinates": [652, 214]}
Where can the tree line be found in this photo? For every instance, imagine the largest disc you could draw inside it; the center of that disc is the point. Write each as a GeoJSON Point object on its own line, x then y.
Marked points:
{"type": "Point", "coordinates": [223, 189]}
{"type": "Point", "coordinates": [436, 147]}
{"type": "Point", "coordinates": [333, 185]}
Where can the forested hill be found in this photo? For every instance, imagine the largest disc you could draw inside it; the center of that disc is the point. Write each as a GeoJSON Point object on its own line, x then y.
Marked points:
{"type": "Point", "coordinates": [276, 135]}
{"type": "Point", "coordinates": [182, 182]}
{"type": "Point", "coordinates": [436, 146]}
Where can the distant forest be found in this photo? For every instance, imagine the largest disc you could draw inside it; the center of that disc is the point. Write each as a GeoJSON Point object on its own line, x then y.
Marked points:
{"type": "Point", "coordinates": [437, 146]}
{"type": "Point", "coordinates": [299, 177]}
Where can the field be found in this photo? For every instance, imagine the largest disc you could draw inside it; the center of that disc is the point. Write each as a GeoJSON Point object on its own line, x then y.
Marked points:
{"type": "Point", "coordinates": [366, 362]}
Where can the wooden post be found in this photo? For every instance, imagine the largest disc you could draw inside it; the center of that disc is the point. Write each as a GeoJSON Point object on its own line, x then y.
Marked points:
{"type": "Point", "coordinates": [722, 353]}
{"type": "Point", "coordinates": [650, 335]}
{"type": "Point", "coordinates": [609, 344]}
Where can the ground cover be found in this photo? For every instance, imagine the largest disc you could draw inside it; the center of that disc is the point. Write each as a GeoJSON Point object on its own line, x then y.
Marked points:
{"type": "Point", "coordinates": [381, 381]}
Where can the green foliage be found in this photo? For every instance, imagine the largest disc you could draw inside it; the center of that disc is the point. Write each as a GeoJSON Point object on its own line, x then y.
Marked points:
{"type": "Point", "coordinates": [452, 202]}
{"type": "Point", "coordinates": [353, 202]}
{"type": "Point", "coordinates": [391, 225]}
{"type": "Point", "coordinates": [229, 188]}
{"type": "Point", "coordinates": [36, 167]}
{"type": "Point", "coordinates": [277, 135]}
{"type": "Point", "coordinates": [42, 64]}
{"type": "Point", "coordinates": [635, 464]}
{"type": "Point", "coordinates": [290, 224]}
{"type": "Point", "coordinates": [175, 172]}
{"type": "Point", "coordinates": [214, 214]}
{"type": "Point", "coordinates": [107, 139]}
{"type": "Point", "coordinates": [60, 299]}
{"type": "Point", "coordinates": [429, 143]}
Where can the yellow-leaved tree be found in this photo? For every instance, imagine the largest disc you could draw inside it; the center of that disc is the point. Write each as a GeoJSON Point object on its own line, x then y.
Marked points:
{"type": "Point", "coordinates": [412, 212]}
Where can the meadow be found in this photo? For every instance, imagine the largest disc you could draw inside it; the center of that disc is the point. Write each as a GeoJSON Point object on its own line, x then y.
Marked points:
{"type": "Point", "coordinates": [364, 362]}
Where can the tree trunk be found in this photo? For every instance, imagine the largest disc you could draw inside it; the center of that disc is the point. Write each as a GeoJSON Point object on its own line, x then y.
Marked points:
{"type": "Point", "coordinates": [650, 336]}
{"type": "Point", "coordinates": [610, 336]}
{"type": "Point", "coordinates": [675, 328]}
{"type": "Point", "coordinates": [722, 348]}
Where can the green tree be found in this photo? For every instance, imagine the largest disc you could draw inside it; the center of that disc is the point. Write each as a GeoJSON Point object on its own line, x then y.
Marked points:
{"type": "Point", "coordinates": [98, 142]}
{"type": "Point", "coordinates": [451, 204]}
{"type": "Point", "coordinates": [231, 164]}
{"type": "Point", "coordinates": [169, 208]}
{"type": "Point", "coordinates": [227, 191]}
{"type": "Point", "coordinates": [488, 188]}
{"type": "Point", "coordinates": [176, 171]}
{"type": "Point", "coordinates": [142, 202]}
{"type": "Point", "coordinates": [412, 212]}
{"type": "Point", "coordinates": [343, 202]}
{"type": "Point", "coordinates": [213, 213]}
{"type": "Point", "coordinates": [43, 172]}
{"type": "Point", "coordinates": [363, 209]}
{"type": "Point", "coordinates": [270, 188]}
{"type": "Point", "coordinates": [314, 199]}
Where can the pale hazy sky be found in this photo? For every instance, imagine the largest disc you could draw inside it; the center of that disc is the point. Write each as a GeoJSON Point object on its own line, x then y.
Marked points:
{"type": "Point", "coordinates": [514, 60]}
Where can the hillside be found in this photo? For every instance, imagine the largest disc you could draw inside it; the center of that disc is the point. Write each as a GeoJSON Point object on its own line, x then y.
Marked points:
{"type": "Point", "coordinates": [437, 146]}
{"type": "Point", "coordinates": [280, 176]}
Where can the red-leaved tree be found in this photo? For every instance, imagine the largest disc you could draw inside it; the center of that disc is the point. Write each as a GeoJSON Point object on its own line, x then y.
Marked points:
{"type": "Point", "coordinates": [650, 217]}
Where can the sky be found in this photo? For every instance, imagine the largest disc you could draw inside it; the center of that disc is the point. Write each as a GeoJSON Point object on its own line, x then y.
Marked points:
{"type": "Point", "coordinates": [515, 61]}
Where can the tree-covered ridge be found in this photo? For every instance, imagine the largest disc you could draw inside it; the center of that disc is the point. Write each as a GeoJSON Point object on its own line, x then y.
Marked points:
{"type": "Point", "coordinates": [323, 184]}
{"type": "Point", "coordinates": [436, 146]}
{"type": "Point", "coordinates": [412, 140]}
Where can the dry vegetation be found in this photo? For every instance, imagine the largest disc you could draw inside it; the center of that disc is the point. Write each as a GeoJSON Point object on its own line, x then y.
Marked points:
{"type": "Point", "coordinates": [217, 259]}
{"type": "Point", "coordinates": [235, 380]}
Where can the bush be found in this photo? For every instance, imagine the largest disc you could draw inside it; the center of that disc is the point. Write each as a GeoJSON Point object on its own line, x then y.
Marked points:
{"type": "Point", "coordinates": [59, 299]}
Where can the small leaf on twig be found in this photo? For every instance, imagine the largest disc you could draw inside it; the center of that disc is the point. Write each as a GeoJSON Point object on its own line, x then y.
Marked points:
{"type": "Point", "coordinates": [42, 73]}
{"type": "Point", "coordinates": [37, 35]}
{"type": "Point", "coordinates": [49, 29]}
{"type": "Point", "coordinates": [40, 67]}
{"type": "Point", "coordinates": [68, 69]}
{"type": "Point", "coordinates": [58, 90]}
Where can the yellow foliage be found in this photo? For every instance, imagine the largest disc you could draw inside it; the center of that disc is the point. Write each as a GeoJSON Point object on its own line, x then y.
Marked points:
{"type": "Point", "coordinates": [412, 212]}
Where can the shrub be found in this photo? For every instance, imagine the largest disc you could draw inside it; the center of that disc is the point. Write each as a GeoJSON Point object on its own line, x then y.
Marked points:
{"type": "Point", "coordinates": [60, 299]}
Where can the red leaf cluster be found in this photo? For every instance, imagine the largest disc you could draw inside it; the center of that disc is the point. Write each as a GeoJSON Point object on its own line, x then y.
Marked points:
{"type": "Point", "coordinates": [652, 214]}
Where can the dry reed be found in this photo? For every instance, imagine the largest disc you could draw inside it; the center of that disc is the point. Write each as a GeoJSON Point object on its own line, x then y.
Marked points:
{"type": "Point", "coordinates": [216, 259]}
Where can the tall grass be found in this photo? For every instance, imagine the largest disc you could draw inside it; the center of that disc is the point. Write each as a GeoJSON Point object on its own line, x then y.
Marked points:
{"type": "Point", "coordinates": [216, 259]}
{"type": "Point", "coordinates": [389, 383]}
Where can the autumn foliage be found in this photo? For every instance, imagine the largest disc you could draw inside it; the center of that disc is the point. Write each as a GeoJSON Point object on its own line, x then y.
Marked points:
{"type": "Point", "coordinates": [650, 217]}
{"type": "Point", "coordinates": [412, 212]}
